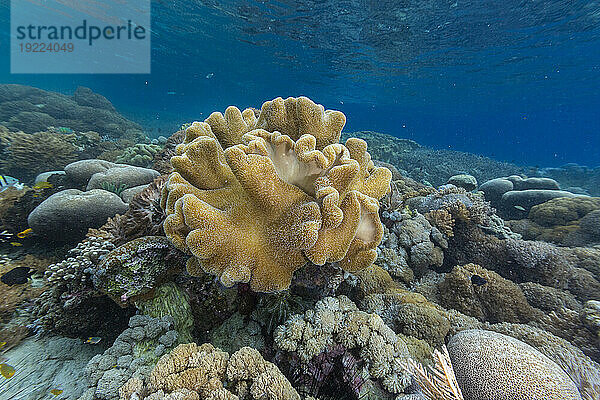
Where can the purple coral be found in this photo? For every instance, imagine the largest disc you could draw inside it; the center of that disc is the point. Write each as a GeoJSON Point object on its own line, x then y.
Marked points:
{"type": "Point", "coordinates": [334, 373]}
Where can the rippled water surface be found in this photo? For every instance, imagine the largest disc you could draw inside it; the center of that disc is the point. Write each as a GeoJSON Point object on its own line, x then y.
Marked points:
{"type": "Point", "coordinates": [492, 77]}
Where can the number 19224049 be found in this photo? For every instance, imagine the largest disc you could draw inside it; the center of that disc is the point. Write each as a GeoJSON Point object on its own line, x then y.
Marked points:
{"type": "Point", "coordinates": [40, 47]}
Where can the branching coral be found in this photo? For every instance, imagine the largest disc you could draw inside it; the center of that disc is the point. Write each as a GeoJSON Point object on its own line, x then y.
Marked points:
{"type": "Point", "coordinates": [140, 155]}
{"type": "Point", "coordinates": [162, 159]}
{"type": "Point", "coordinates": [338, 321]}
{"type": "Point", "coordinates": [252, 205]}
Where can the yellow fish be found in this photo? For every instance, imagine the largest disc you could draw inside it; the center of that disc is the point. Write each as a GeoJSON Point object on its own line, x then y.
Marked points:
{"type": "Point", "coordinates": [42, 185]}
{"type": "Point", "coordinates": [16, 244]}
{"type": "Point", "coordinates": [2, 344]}
{"type": "Point", "coordinates": [26, 233]}
{"type": "Point", "coordinates": [7, 371]}
{"type": "Point", "coordinates": [56, 392]}
{"type": "Point", "coordinates": [93, 340]}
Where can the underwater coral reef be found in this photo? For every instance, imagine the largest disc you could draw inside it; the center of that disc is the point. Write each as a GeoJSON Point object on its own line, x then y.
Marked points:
{"type": "Point", "coordinates": [253, 255]}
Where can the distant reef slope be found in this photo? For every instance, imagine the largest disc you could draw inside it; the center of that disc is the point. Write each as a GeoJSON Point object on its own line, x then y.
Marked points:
{"type": "Point", "coordinates": [432, 166]}
{"type": "Point", "coordinates": [29, 109]}
{"type": "Point", "coordinates": [427, 165]}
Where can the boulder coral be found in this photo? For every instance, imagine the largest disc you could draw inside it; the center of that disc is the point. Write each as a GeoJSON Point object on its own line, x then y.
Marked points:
{"type": "Point", "coordinates": [491, 365]}
{"type": "Point", "coordinates": [564, 221]}
{"type": "Point", "coordinates": [205, 372]}
{"type": "Point", "coordinates": [254, 205]}
{"type": "Point", "coordinates": [495, 299]}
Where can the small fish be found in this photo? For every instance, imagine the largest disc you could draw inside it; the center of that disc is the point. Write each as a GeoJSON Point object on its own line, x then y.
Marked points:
{"type": "Point", "coordinates": [520, 208]}
{"type": "Point", "coordinates": [56, 392]}
{"type": "Point", "coordinates": [7, 371]}
{"type": "Point", "coordinates": [17, 276]}
{"type": "Point", "coordinates": [93, 340]}
{"type": "Point", "coordinates": [171, 92]}
{"type": "Point", "coordinates": [26, 233]}
{"type": "Point", "coordinates": [210, 75]}
{"type": "Point", "coordinates": [5, 235]}
{"type": "Point", "coordinates": [42, 185]}
{"type": "Point", "coordinates": [478, 280]}
{"type": "Point", "coordinates": [2, 344]}
{"type": "Point", "coordinates": [16, 244]}
{"type": "Point", "coordinates": [64, 129]}
{"type": "Point", "coordinates": [8, 181]}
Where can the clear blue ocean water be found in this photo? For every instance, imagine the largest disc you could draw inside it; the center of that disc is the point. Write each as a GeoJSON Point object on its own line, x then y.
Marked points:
{"type": "Point", "coordinates": [515, 80]}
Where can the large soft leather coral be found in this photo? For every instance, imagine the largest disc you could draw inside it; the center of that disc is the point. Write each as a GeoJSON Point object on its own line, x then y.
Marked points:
{"type": "Point", "coordinates": [253, 205]}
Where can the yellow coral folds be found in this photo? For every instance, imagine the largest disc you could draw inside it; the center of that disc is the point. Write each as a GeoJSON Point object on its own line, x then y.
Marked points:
{"type": "Point", "coordinates": [253, 205]}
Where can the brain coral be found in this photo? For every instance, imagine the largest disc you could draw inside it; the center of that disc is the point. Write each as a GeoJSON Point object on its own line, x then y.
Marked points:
{"type": "Point", "coordinates": [490, 365]}
{"type": "Point", "coordinates": [253, 205]}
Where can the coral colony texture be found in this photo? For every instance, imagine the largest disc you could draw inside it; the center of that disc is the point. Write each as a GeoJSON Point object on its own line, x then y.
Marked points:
{"type": "Point", "coordinates": [254, 256]}
{"type": "Point", "coordinates": [253, 205]}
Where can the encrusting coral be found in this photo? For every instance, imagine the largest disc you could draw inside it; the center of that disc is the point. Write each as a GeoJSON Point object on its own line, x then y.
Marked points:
{"type": "Point", "coordinates": [133, 354]}
{"type": "Point", "coordinates": [205, 372]}
{"type": "Point", "coordinates": [132, 271]}
{"type": "Point", "coordinates": [253, 205]}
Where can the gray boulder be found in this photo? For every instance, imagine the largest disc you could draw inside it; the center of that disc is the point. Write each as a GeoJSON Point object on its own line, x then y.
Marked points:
{"type": "Point", "coordinates": [533, 183]}
{"type": "Point", "coordinates": [81, 171]}
{"type": "Point", "coordinates": [128, 194]}
{"type": "Point", "coordinates": [129, 176]}
{"type": "Point", "coordinates": [513, 196]}
{"type": "Point", "coordinates": [517, 203]}
{"type": "Point", "coordinates": [465, 181]}
{"type": "Point", "coordinates": [495, 188]}
{"type": "Point", "coordinates": [67, 215]}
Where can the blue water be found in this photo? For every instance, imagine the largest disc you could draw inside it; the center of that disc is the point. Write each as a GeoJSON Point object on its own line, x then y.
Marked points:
{"type": "Point", "coordinates": [514, 80]}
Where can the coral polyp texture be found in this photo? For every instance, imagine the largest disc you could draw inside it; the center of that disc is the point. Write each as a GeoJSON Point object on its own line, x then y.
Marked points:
{"type": "Point", "coordinates": [254, 205]}
{"type": "Point", "coordinates": [489, 365]}
{"type": "Point", "coordinates": [205, 372]}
